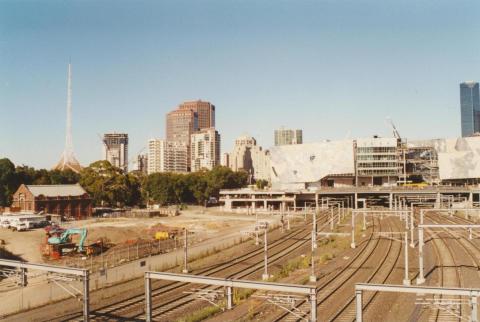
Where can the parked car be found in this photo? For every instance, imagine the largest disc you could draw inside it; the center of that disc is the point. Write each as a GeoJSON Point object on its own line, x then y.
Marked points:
{"type": "Point", "coordinates": [19, 226]}
{"type": "Point", "coordinates": [5, 224]}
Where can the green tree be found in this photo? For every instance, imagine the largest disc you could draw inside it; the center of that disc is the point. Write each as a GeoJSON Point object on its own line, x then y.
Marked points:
{"type": "Point", "coordinates": [261, 184]}
{"type": "Point", "coordinates": [8, 182]}
{"type": "Point", "coordinates": [109, 186]}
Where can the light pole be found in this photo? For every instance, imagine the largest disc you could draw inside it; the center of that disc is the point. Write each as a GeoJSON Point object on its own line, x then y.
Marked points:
{"type": "Point", "coordinates": [313, 277]}
{"type": "Point", "coordinates": [406, 280]}
{"type": "Point", "coordinates": [185, 249]}
{"type": "Point", "coordinates": [265, 272]}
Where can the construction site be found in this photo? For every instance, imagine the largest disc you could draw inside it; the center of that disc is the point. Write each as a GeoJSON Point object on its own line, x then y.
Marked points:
{"type": "Point", "coordinates": [341, 257]}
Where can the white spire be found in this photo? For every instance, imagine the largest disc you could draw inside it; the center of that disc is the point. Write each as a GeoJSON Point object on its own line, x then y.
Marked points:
{"type": "Point", "coordinates": [68, 160]}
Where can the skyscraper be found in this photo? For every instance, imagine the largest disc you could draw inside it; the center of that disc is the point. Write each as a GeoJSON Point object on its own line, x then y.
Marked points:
{"type": "Point", "coordinates": [187, 119]}
{"type": "Point", "coordinates": [68, 160]}
{"type": "Point", "coordinates": [470, 108]}
{"type": "Point", "coordinates": [285, 136]}
{"type": "Point", "coordinates": [205, 112]}
{"type": "Point", "coordinates": [115, 149]}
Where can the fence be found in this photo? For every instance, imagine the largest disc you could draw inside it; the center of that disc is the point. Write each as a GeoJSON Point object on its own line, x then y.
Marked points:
{"type": "Point", "coordinates": [119, 255]}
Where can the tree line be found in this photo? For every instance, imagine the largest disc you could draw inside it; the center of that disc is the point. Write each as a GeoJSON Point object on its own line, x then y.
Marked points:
{"type": "Point", "coordinates": [110, 186]}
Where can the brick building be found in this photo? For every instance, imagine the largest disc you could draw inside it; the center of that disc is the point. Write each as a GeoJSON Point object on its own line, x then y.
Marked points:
{"type": "Point", "coordinates": [68, 200]}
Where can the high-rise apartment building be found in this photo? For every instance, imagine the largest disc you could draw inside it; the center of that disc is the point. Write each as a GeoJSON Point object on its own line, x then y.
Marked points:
{"type": "Point", "coordinates": [115, 149]}
{"type": "Point", "coordinates": [285, 136]}
{"type": "Point", "coordinates": [470, 108]}
{"type": "Point", "coordinates": [205, 112]}
{"type": "Point", "coordinates": [205, 149]}
{"type": "Point", "coordinates": [166, 156]}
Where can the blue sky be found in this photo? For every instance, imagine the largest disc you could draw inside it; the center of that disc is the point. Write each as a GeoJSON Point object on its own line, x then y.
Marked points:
{"type": "Point", "coordinates": [333, 68]}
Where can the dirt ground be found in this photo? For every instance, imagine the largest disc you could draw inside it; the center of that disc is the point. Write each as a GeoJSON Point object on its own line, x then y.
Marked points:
{"type": "Point", "coordinates": [206, 223]}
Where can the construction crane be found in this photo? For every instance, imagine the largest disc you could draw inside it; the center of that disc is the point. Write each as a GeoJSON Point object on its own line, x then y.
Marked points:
{"type": "Point", "coordinates": [403, 149]}
{"type": "Point", "coordinates": [395, 132]}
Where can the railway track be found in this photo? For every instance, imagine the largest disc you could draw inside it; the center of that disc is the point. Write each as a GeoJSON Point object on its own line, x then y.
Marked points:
{"type": "Point", "coordinates": [338, 288]}
{"type": "Point", "coordinates": [447, 254]}
{"type": "Point", "coordinates": [166, 299]}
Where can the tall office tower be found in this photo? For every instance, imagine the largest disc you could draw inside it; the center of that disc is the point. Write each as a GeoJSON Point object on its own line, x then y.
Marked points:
{"type": "Point", "coordinates": [142, 163]}
{"type": "Point", "coordinates": [205, 112]}
{"type": "Point", "coordinates": [470, 108]}
{"type": "Point", "coordinates": [285, 136]}
{"type": "Point", "coordinates": [166, 156]}
{"type": "Point", "coordinates": [180, 126]}
{"type": "Point", "coordinates": [115, 149]}
{"type": "Point", "coordinates": [68, 160]}
{"type": "Point", "coordinates": [205, 149]}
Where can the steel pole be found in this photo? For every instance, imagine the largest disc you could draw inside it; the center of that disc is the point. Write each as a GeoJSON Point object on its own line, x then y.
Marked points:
{"type": "Point", "coordinates": [86, 297]}
{"type": "Point", "coordinates": [406, 280]}
{"type": "Point", "coordinates": [313, 277]}
{"type": "Point", "coordinates": [331, 220]}
{"type": "Point", "coordinates": [148, 298]}
{"type": "Point", "coordinates": [23, 277]}
{"type": "Point", "coordinates": [229, 298]}
{"type": "Point", "coordinates": [358, 306]}
{"type": "Point", "coordinates": [185, 253]}
{"type": "Point", "coordinates": [474, 309]}
{"type": "Point", "coordinates": [420, 278]}
{"type": "Point", "coordinates": [265, 273]}
{"type": "Point", "coordinates": [352, 245]}
{"type": "Point", "coordinates": [314, 228]}
{"type": "Point", "coordinates": [364, 221]}
{"type": "Point", "coordinates": [412, 243]}
{"type": "Point", "coordinates": [313, 305]}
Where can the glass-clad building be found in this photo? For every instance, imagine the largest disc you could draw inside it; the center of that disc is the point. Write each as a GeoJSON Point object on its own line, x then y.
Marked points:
{"type": "Point", "coordinates": [470, 108]}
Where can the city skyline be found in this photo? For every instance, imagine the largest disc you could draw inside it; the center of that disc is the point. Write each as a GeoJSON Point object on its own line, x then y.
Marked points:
{"type": "Point", "coordinates": [269, 72]}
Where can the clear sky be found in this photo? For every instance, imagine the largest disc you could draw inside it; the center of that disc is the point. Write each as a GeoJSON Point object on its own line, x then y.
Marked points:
{"type": "Point", "coordinates": [334, 68]}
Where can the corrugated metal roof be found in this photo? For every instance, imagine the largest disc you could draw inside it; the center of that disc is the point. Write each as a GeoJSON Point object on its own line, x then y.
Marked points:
{"type": "Point", "coordinates": [59, 190]}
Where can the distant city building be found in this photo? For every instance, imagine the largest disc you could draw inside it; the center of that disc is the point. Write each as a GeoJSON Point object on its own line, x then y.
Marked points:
{"type": "Point", "coordinates": [250, 157]}
{"type": "Point", "coordinates": [225, 160]}
{"type": "Point", "coordinates": [286, 136]}
{"type": "Point", "coordinates": [115, 149]}
{"type": "Point", "coordinates": [205, 112]}
{"type": "Point", "coordinates": [189, 118]}
{"type": "Point", "coordinates": [205, 149]}
{"type": "Point", "coordinates": [470, 108]}
{"type": "Point", "coordinates": [70, 201]}
{"type": "Point", "coordinates": [142, 163]}
{"type": "Point", "coordinates": [180, 126]}
{"type": "Point", "coordinates": [167, 156]}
